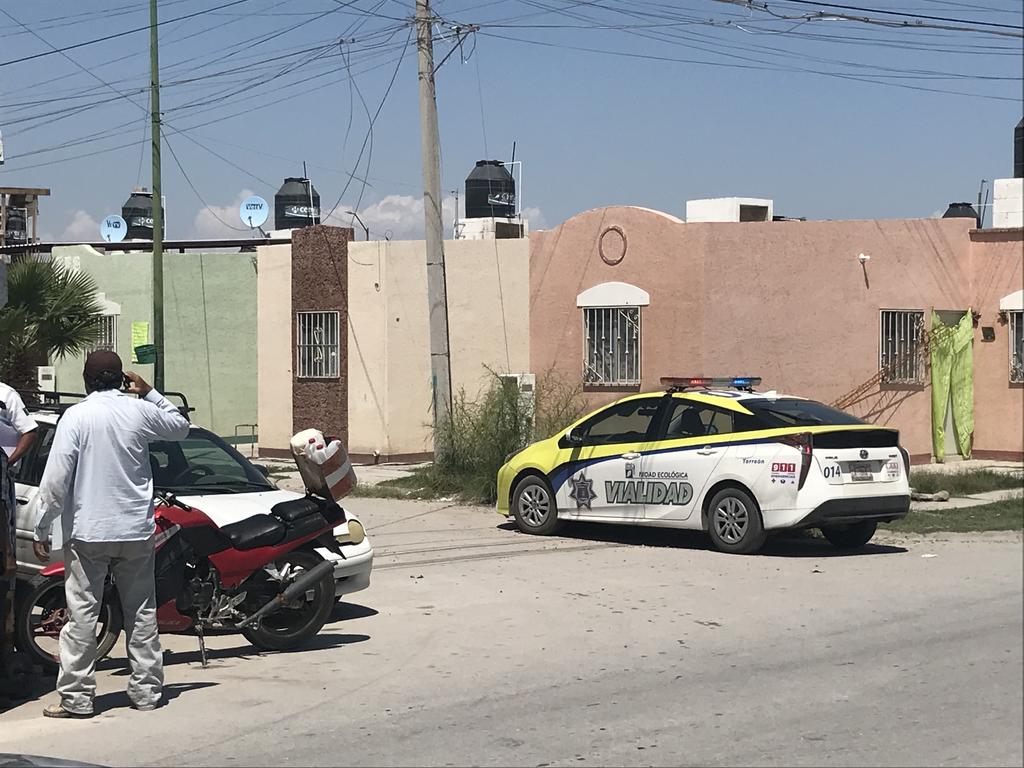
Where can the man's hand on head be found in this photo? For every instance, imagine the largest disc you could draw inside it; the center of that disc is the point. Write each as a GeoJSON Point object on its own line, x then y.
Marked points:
{"type": "Point", "coordinates": [138, 384]}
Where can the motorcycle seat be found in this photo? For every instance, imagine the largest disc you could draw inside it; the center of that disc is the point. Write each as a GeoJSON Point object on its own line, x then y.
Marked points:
{"type": "Point", "coordinates": [296, 509]}
{"type": "Point", "coordinates": [256, 531]}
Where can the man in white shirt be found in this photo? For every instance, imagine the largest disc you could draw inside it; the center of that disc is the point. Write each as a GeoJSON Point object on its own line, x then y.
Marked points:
{"type": "Point", "coordinates": [17, 431]}
{"type": "Point", "coordinates": [17, 428]}
{"type": "Point", "coordinates": [98, 479]}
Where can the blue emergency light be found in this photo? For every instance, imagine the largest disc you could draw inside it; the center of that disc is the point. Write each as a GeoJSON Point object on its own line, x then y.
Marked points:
{"type": "Point", "coordinates": [710, 382]}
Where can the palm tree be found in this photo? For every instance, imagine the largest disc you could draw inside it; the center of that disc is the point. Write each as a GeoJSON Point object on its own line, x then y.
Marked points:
{"type": "Point", "coordinates": [51, 310]}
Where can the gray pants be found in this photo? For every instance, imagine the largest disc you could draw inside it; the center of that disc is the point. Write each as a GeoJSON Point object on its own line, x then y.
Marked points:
{"type": "Point", "coordinates": [86, 566]}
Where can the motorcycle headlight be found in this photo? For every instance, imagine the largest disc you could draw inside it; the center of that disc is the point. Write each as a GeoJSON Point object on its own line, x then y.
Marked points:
{"type": "Point", "coordinates": [356, 533]}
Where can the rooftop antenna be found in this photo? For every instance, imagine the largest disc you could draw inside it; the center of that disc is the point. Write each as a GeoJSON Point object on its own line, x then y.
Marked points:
{"type": "Point", "coordinates": [309, 191]}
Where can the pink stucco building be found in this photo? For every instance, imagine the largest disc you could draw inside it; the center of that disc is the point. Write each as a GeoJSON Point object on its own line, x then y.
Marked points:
{"type": "Point", "coordinates": [832, 310]}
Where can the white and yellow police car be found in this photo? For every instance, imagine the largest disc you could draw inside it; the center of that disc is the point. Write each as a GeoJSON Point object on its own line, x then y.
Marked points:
{"type": "Point", "coordinates": [715, 455]}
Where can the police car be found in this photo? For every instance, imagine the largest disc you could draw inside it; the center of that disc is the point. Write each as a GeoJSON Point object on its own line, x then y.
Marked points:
{"type": "Point", "coordinates": [714, 455]}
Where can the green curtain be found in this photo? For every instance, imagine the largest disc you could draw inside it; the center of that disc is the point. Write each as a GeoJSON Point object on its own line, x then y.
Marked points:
{"type": "Point", "coordinates": [952, 371]}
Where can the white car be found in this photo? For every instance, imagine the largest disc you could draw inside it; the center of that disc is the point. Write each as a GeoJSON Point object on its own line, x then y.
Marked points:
{"type": "Point", "coordinates": [731, 461]}
{"type": "Point", "coordinates": [202, 471]}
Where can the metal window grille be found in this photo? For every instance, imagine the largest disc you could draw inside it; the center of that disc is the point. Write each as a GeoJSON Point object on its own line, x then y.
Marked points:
{"type": "Point", "coordinates": [107, 337]}
{"type": "Point", "coordinates": [318, 345]}
{"type": "Point", "coordinates": [611, 339]}
{"type": "Point", "coordinates": [1017, 347]}
{"type": "Point", "coordinates": [901, 346]}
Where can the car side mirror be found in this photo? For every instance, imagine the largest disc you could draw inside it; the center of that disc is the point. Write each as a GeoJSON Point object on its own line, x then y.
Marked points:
{"type": "Point", "coordinates": [263, 470]}
{"type": "Point", "coordinates": [576, 436]}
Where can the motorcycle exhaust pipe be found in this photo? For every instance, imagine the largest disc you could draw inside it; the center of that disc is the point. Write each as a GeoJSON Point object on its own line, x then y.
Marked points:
{"type": "Point", "coordinates": [296, 588]}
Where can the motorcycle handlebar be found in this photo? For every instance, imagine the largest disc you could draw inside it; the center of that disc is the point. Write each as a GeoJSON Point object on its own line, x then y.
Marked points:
{"type": "Point", "coordinates": [171, 500]}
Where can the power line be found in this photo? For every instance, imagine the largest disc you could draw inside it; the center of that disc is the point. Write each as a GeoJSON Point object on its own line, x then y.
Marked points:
{"type": "Point", "coordinates": [369, 130]}
{"type": "Point", "coordinates": [907, 15]}
{"type": "Point", "coordinates": [116, 35]}
{"type": "Point", "coordinates": [192, 186]}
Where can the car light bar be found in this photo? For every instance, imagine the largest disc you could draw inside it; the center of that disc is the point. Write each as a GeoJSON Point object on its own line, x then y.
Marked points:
{"type": "Point", "coordinates": [695, 382]}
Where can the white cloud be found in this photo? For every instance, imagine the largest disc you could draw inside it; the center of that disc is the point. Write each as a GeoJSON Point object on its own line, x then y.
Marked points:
{"type": "Point", "coordinates": [535, 216]}
{"type": "Point", "coordinates": [216, 221]}
{"type": "Point", "coordinates": [82, 228]}
{"type": "Point", "coordinates": [401, 217]}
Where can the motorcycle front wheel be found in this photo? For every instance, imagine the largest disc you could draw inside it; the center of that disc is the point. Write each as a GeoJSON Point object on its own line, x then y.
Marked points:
{"type": "Point", "coordinates": [42, 614]}
{"type": "Point", "coordinates": [292, 625]}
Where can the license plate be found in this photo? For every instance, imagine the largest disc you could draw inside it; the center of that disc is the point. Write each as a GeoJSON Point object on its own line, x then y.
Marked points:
{"type": "Point", "coordinates": [860, 471]}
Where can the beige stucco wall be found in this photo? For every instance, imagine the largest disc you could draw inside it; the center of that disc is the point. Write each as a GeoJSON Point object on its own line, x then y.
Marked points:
{"type": "Point", "coordinates": [389, 341]}
{"type": "Point", "coordinates": [788, 301]}
{"type": "Point", "coordinates": [997, 265]}
{"type": "Point", "coordinates": [274, 345]}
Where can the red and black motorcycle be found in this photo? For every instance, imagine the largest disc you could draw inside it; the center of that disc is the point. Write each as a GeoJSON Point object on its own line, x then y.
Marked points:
{"type": "Point", "coordinates": [260, 575]}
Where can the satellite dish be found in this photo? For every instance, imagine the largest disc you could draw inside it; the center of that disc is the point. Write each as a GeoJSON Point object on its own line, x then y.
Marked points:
{"type": "Point", "coordinates": [254, 212]}
{"type": "Point", "coordinates": [113, 229]}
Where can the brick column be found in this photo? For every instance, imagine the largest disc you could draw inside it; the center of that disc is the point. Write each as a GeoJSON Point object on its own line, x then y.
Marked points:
{"type": "Point", "coordinates": [320, 284]}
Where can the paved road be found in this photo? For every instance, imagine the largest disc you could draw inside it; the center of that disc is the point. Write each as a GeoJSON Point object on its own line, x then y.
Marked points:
{"type": "Point", "coordinates": [477, 645]}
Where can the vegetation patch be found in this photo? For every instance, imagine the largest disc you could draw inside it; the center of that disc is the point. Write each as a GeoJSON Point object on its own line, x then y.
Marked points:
{"type": "Point", "coordinates": [965, 483]}
{"type": "Point", "coordinates": [1005, 515]}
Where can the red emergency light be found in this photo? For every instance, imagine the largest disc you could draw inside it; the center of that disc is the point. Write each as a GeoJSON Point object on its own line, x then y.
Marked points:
{"type": "Point", "coordinates": [708, 382]}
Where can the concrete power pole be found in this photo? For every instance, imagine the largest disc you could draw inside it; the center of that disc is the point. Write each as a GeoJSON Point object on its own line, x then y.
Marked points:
{"type": "Point", "coordinates": [158, 205]}
{"type": "Point", "coordinates": [437, 294]}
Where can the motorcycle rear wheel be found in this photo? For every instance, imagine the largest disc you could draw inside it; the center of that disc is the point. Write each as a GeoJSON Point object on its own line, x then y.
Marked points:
{"type": "Point", "coordinates": [43, 613]}
{"type": "Point", "coordinates": [290, 627]}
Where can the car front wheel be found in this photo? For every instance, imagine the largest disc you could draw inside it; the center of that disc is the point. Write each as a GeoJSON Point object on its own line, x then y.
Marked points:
{"type": "Point", "coordinates": [853, 536]}
{"type": "Point", "coordinates": [534, 508]}
{"type": "Point", "coordinates": [734, 522]}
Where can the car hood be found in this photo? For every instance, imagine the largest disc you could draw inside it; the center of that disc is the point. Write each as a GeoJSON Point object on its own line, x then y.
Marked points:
{"type": "Point", "coordinates": [226, 508]}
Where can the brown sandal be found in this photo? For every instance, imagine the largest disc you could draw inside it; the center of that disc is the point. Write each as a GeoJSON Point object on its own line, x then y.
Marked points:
{"type": "Point", "coordinates": [58, 711]}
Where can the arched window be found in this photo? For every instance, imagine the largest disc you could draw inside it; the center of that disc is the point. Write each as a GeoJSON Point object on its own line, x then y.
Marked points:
{"type": "Point", "coordinates": [611, 334]}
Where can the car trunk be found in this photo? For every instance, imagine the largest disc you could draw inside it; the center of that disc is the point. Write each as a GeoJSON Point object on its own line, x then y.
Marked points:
{"type": "Point", "coordinates": [864, 457]}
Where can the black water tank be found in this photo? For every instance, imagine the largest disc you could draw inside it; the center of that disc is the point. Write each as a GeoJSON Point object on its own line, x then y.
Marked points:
{"type": "Point", "coordinates": [960, 211]}
{"type": "Point", "coordinates": [291, 205]}
{"type": "Point", "coordinates": [1018, 150]}
{"type": "Point", "coordinates": [138, 214]}
{"type": "Point", "coordinates": [490, 191]}
{"type": "Point", "coordinates": [17, 221]}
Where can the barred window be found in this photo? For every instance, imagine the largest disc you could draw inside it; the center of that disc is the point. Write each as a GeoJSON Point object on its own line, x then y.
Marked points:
{"type": "Point", "coordinates": [901, 346]}
{"type": "Point", "coordinates": [611, 339]}
{"type": "Point", "coordinates": [106, 339]}
{"type": "Point", "coordinates": [1017, 347]}
{"type": "Point", "coordinates": [318, 345]}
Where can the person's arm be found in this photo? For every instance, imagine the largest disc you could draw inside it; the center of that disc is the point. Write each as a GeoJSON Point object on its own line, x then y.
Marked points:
{"type": "Point", "coordinates": [24, 443]}
{"type": "Point", "coordinates": [24, 424]}
{"type": "Point", "coordinates": [162, 420]}
{"type": "Point", "coordinates": [55, 485]}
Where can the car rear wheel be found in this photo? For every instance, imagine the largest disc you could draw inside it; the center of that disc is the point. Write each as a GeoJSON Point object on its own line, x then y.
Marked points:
{"type": "Point", "coordinates": [734, 522]}
{"type": "Point", "coordinates": [534, 508]}
{"type": "Point", "coordinates": [853, 536]}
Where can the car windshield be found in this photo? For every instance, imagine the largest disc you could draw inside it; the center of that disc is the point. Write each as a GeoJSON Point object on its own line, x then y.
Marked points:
{"type": "Point", "coordinates": [203, 463]}
{"type": "Point", "coordinates": [792, 412]}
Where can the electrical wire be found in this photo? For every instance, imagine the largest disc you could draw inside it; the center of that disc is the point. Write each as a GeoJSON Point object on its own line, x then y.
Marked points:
{"type": "Point", "coordinates": [376, 114]}
{"type": "Point", "coordinates": [116, 35]}
{"type": "Point", "coordinates": [195, 191]}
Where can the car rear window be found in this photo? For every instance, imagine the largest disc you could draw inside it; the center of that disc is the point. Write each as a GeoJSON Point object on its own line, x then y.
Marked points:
{"type": "Point", "coordinates": [791, 412]}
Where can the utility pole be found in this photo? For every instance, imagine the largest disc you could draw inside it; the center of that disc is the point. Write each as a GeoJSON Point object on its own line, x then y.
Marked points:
{"type": "Point", "coordinates": [437, 294]}
{"type": "Point", "coordinates": [158, 211]}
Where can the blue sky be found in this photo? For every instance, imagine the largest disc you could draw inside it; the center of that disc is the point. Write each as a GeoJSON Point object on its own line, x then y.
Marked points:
{"type": "Point", "coordinates": [646, 102]}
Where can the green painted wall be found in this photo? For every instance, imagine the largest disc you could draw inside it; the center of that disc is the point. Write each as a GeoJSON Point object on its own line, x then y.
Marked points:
{"type": "Point", "coordinates": [210, 327]}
